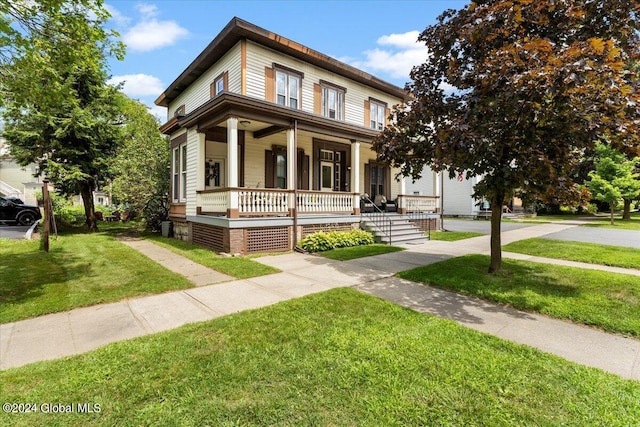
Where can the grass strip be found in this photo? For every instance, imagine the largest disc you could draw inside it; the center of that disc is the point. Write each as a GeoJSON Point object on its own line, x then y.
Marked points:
{"type": "Point", "coordinates": [354, 252]}
{"type": "Point", "coordinates": [592, 253]}
{"type": "Point", "coordinates": [80, 270]}
{"type": "Point", "coordinates": [452, 236]}
{"type": "Point", "coordinates": [238, 267]}
{"type": "Point", "coordinates": [606, 300]}
{"type": "Point", "coordinates": [336, 358]}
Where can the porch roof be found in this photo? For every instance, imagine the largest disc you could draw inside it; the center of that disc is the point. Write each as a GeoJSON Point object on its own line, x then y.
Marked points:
{"type": "Point", "coordinates": [209, 115]}
{"type": "Point", "coordinates": [238, 29]}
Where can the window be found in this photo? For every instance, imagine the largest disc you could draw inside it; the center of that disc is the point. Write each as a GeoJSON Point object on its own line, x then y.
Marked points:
{"type": "Point", "coordinates": [179, 166]}
{"type": "Point", "coordinates": [281, 169]}
{"type": "Point", "coordinates": [377, 181]}
{"type": "Point", "coordinates": [333, 102]}
{"type": "Point", "coordinates": [287, 89]}
{"type": "Point", "coordinates": [377, 113]}
{"type": "Point", "coordinates": [219, 85]}
{"type": "Point", "coordinates": [180, 111]}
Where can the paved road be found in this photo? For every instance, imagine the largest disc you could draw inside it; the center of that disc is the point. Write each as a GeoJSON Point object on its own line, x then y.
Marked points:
{"type": "Point", "coordinates": [480, 225]}
{"type": "Point", "coordinates": [605, 236]}
{"type": "Point", "coordinates": [13, 231]}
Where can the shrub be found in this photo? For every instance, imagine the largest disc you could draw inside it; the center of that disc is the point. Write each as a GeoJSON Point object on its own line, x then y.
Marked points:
{"type": "Point", "coordinates": [321, 241]}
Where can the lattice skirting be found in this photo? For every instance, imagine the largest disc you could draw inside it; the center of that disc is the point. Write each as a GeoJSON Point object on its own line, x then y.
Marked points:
{"type": "Point", "coordinates": [310, 229]}
{"type": "Point", "coordinates": [267, 239]}
{"type": "Point", "coordinates": [209, 236]}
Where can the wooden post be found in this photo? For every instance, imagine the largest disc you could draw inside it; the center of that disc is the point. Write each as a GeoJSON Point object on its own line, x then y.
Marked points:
{"type": "Point", "coordinates": [47, 212]}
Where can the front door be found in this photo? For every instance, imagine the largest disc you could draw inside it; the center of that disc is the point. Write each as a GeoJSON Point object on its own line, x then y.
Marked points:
{"type": "Point", "coordinates": [326, 176]}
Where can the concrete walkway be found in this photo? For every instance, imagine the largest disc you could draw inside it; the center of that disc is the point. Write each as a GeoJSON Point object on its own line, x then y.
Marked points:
{"type": "Point", "coordinates": [83, 329]}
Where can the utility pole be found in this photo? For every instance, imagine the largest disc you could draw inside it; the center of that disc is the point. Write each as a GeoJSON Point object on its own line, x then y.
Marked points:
{"type": "Point", "coordinates": [47, 212]}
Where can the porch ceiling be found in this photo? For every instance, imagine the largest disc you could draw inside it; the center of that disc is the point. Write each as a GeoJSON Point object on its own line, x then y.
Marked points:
{"type": "Point", "coordinates": [266, 118]}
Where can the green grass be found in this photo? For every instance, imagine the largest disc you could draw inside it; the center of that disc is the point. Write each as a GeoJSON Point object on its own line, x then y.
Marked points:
{"type": "Point", "coordinates": [618, 222]}
{"type": "Point", "coordinates": [606, 300]}
{"type": "Point", "coordinates": [339, 358]}
{"type": "Point", "coordinates": [451, 236]}
{"type": "Point", "coordinates": [346, 254]}
{"type": "Point", "coordinates": [238, 267]}
{"type": "Point", "coordinates": [80, 269]}
{"type": "Point", "coordinates": [615, 256]}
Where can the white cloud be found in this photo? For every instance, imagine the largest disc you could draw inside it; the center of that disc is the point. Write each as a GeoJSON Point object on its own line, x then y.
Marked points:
{"type": "Point", "coordinates": [153, 34]}
{"type": "Point", "coordinates": [396, 56]}
{"type": "Point", "coordinates": [136, 85]}
{"type": "Point", "coordinates": [120, 19]}
{"type": "Point", "coordinates": [159, 112]}
{"type": "Point", "coordinates": [147, 10]}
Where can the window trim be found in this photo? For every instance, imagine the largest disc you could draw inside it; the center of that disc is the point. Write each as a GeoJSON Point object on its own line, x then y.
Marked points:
{"type": "Point", "coordinates": [288, 72]}
{"type": "Point", "coordinates": [340, 100]}
{"type": "Point", "coordinates": [179, 173]}
{"type": "Point", "coordinates": [382, 106]}
{"type": "Point", "coordinates": [213, 88]}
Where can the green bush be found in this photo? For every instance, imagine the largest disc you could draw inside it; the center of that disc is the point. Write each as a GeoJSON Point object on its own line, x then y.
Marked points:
{"type": "Point", "coordinates": [321, 241]}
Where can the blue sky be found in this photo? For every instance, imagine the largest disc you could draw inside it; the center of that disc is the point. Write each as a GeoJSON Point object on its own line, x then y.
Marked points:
{"type": "Point", "coordinates": [164, 36]}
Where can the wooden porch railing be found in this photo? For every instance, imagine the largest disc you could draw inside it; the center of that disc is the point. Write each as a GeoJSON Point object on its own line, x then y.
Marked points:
{"type": "Point", "coordinates": [414, 203]}
{"type": "Point", "coordinates": [266, 201]}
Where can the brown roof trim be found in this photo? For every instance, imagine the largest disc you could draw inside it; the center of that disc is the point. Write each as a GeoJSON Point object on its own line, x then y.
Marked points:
{"type": "Point", "coordinates": [217, 109]}
{"type": "Point", "coordinates": [169, 127]}
{"type": "Point", "coordinates": [238, 29]}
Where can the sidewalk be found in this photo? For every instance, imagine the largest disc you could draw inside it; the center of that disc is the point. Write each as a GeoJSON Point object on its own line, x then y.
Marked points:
{"type": "Point", "coordinates": [88, 328]}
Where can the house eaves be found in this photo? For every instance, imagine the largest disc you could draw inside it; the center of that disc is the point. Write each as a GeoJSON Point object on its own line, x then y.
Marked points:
{"type": "Point", "coordinates": [238, 29]}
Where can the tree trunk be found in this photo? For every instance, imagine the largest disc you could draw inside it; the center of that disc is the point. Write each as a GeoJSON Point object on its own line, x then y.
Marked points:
{"type": "Point", "coordinates": [496, 244]}
{"type": "Point", "coordinates": [626, 213]}
{"type": "Point", "coordinates": [611, 205]}
{"type": "Point", "coordinates": [86, 191]}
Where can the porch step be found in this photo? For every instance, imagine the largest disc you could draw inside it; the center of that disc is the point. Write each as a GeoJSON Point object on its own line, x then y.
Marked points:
{"type": "Point", "coordinates": [402, 230]}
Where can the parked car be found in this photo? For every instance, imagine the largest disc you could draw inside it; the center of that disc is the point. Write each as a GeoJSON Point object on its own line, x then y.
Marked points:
{"type": "Point", "coordinates": [12, 212]}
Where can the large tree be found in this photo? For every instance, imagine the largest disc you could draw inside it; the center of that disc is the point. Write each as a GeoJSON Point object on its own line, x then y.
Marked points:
{"type": "Point", "coordinates": [141, 168]}
{"type": "Point", "coordinates": [59, 111]}
{"type": "Point", "coordinates": [515, 92]}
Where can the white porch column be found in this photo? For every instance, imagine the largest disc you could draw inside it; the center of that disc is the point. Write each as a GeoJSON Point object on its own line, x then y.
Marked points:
{"type": "Point", "coordinates": [355, 175]}
{"type": "Point", "coordinates": [232, 166]}
{"type": "Point", "coordinates": [291, 171]}
{"type": "Point", "coordinates": [201, 157]}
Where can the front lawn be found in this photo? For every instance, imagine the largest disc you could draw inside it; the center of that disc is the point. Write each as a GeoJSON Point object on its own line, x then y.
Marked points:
{"type": "Point", "coordinates": [607, 300]}
{"type": "Point", "coordinates": [81, 269]}
{"type": "Point", "coordinates": [616, 256]}
{"type": "Point", "coordinates": [452, 236]}
{"type": "Point", "coordinates": [238, 267]}
{"type": "Point", "coordinates": [339, 358]}
{"type": "Point", "coordinates": [618, 222]}
{"type": "Point", "coordinates": [353, 252]}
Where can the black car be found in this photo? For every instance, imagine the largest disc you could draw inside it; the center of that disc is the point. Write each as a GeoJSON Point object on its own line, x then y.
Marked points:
{"type": "Point", "coordinates": [13, 212]}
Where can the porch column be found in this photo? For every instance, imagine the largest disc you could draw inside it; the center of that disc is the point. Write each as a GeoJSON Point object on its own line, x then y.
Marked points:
{"type": "Point", "coordinates": [355, 175]}
{"type": "Point", "coordinates": [403, 189]}
{"type": "Point", "coordinates": [201, 156]}
{"type": "Point", "coordinates": [232, 167]}
{"type": "Point", "coordinates": [291, 171]}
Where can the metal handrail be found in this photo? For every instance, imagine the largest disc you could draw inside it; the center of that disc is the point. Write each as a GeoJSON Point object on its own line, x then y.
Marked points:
{"type": "Point", "coordinates": [379, 218]}
{"type": "Point", "coordinates": [421, 216]}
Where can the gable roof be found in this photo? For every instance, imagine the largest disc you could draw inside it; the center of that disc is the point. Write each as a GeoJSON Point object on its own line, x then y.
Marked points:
{"type": "Point", "coordinates": [238, 29]}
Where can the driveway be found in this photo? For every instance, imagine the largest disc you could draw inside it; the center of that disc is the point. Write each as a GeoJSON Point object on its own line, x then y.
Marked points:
{"type": "Point", "coordinates": [13, 231]}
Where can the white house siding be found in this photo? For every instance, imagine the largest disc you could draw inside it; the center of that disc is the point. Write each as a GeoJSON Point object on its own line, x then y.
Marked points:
{"type": "Point", "coordinates": [425, 186]}
{"type": "Point", "coordinates": [192, 170]}
{"type": "Point", "coordinates": [259, 58]}
{"type": "Point", "coordinates": [199, 91]}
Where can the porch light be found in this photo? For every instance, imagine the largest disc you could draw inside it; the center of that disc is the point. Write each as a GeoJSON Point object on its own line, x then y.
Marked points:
{"type": "Point", "coordinates": [245, 122]}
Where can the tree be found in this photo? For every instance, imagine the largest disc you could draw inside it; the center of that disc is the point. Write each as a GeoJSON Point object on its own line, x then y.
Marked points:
{"type": "Point", "coordinates": [141, 168]}
{"type": "Point", "coordinates": [59, 112]}
{"type": "Point", "coordinates": [613, 179]}
{"type": "Point", "coordinates": [514, 91]}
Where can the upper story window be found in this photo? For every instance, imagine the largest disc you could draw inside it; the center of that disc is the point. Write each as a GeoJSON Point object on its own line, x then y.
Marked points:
{"type": "Point", "coordinates": [288, 86]}
{"type": "Point", "coordinates": [376, 114]}
{"type": "Point", "coordinates": [180, 111]}
{"type": "Point", "coordinates": [220, 84]}
{"type": "Point", "coordinates": [332, 101]}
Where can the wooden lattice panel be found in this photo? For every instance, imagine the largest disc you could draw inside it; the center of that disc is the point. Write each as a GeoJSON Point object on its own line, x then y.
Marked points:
{"type": "Point", "coordinates": [268, 239]}
{"type": "Point", "coordinates": [310, 229]}
{"type": "Point", "coordinates": [208, 236]}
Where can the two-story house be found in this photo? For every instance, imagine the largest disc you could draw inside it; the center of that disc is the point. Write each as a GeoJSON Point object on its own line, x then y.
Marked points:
{"type": "Point", "coordinates": [271, 141]}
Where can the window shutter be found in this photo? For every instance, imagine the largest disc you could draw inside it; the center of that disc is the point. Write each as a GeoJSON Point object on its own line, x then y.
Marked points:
{"type": "Point", "coordinates": [317, 98]}
{"type": "Point", "coordinates": [269, 81]}
{"type": "Point", "coordinates": [225, 81]}
{"type": "Point", "coordinates": [367, 113]}
{"type": "Point", "coordinates": [387, 113]}
{"type": "Point", "coordinates": [269, 171]}
{"type": "Point", "coordinates": [303, 170]}
{"type": "Point", "coordinates": [212, 89]}
{"type": "Point", "coordinates": [367, 180]}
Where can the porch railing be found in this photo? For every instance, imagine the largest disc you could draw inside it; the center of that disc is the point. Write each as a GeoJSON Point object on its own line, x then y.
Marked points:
{"type": "Point", "coordinates": [415, 203]}
{"type": "Point", "coordinates": [266, 201]}
{"type": "Point", "coordinates": [379, 218]}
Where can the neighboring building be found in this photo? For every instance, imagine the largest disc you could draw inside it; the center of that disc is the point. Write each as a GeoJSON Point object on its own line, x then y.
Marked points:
{"type": "Point", "coordinates": [18, 181]}
{"type": "Point", "coordinates": [271, 141]}
{"type": "Point", "coordinates": [456, 194]}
